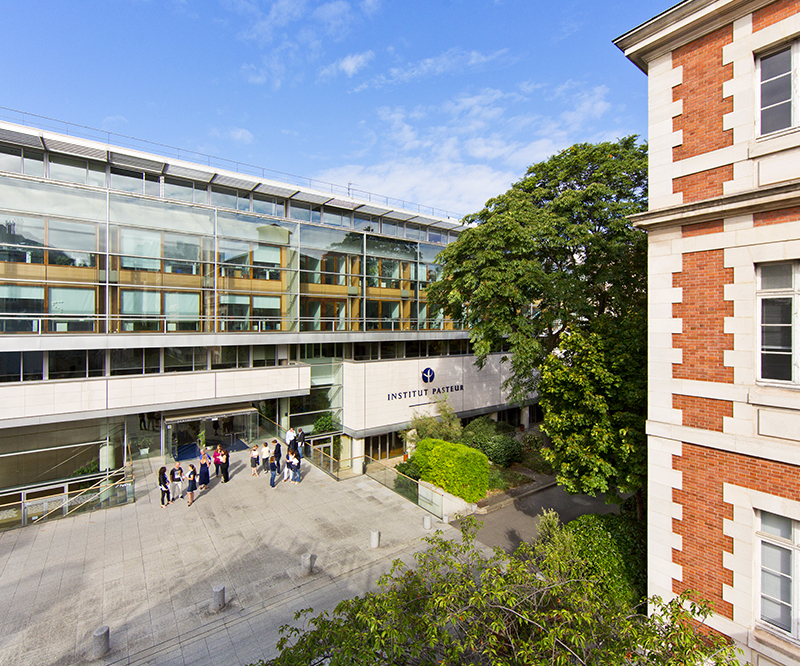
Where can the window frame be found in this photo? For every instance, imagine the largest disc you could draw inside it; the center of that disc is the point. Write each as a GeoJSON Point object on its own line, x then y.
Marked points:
{"type": "Point", "coordinates": [792, 545]}
{"type": "Point", "coordinates": [794, 49]}
{"type": "Point", "coordinates": [793, 293]}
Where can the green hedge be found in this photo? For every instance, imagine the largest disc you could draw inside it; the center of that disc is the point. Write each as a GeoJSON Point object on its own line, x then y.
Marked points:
{"type": "Point", "coordinates": [455, 468]}
{"type": "Point", "coordinates": [494, 439]}
{"type": "Point", "coordinates": [615, 547]}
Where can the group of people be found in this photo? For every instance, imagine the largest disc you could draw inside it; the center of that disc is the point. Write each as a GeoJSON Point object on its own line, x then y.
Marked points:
{"type": "Point", "coordinates": [171, 483]}
{"type": "Point", "coordinates": [270, 461]}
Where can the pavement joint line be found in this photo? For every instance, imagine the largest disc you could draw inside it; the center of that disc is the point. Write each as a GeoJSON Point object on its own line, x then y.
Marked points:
{"type": "Point", "coordinates": [241, 615]}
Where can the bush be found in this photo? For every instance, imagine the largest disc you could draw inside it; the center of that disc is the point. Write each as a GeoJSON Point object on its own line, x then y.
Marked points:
{"type": "Point", "coordinates": [409, 468]}
{"type": "Point", "coordinates": [614, 546]}
{"type": "Point", "coordinates": [324, 423]}
{"type": "Point", "coordinates": [493, 439]}
{"type": "Point", "coordinates": [455, 468]}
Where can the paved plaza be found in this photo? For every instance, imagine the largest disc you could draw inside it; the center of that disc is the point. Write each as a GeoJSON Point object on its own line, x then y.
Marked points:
{"type": "Point", "coordinates": [148, 573]}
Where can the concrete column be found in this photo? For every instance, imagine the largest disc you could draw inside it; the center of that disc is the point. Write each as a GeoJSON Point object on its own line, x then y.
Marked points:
{"type": "Point", "coordinates": [218, 600]}
{"type": "Point", "coordinates": [525, 417]}
{"type": "Point", "coordinates": [357, 453]}
{"type": "Point", "coordinates": [100, 642]}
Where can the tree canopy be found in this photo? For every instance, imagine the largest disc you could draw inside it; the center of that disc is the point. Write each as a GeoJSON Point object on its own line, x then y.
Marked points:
{"type": "Point", "coordinates": [554, 272]}
{"type": "Point", "coordinates": [545, 604]}
{"type": "Point", "coordinates": [555, 251]}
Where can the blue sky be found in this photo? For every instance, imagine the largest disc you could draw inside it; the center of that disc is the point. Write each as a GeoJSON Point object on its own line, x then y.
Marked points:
{"type": "Point", "coordinates": [443, 103]}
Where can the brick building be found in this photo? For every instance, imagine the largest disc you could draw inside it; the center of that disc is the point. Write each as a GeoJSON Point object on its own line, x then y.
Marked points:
{"type": "Point", "coordinates": [724, 313]}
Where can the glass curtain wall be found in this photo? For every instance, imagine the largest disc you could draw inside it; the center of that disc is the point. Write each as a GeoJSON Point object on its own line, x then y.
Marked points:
{"type": "Point", "coordinates": [105, 261]}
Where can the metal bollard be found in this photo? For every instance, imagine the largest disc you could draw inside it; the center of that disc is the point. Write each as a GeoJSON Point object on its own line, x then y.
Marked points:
{"type": "Point", "coordinates": [374, 539]}
{"type": "Point", "coordinates": [426, 522]}
{"type": "Point", "coordinates": [100, 642]}
{"type": "Point", "coordinates": [305, 564]}
{"type": "Point", "coordinates": [218, 602]}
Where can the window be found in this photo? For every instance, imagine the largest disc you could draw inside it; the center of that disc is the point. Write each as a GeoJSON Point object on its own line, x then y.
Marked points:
{"type": "Point", "coordinates": [779, 593]}
{"type": "Point", "coordinates": [777, 313]}
{"type": "Point", "coordinates": [777, 90]}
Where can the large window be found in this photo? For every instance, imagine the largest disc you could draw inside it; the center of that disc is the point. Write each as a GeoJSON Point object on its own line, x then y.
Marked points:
{"type": "Point", "coordinates": [777, 90]}
{"type": "Point", "coordinates": [778, 312]}
{"type": "Point", "coordinates": [779, 593]}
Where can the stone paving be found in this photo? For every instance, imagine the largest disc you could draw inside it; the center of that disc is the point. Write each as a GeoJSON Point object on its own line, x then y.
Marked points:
{"type": "Point", "coordinates": [148, 573]}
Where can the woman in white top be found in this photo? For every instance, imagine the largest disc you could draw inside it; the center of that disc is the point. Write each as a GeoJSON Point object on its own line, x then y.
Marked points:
{"type": "Point", "coordinates": [287, 468]}
{"type": "Point", "coordinates": [265, 456]}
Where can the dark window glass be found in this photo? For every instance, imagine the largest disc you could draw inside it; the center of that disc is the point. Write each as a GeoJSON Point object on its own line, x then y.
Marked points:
{"type": "Point", "coordinates": [96, 362]}
{"type": "Point", "coordinates": [127, 361]}
{"type": "Point", "coordinates": [776, 91]}
{"type": "Point", "coordinates": [9, 366]}
{"type": "Point", "coordinates": [67, 364]}
{"type": "Point", "coordinates": [388, 349]}
{"type": "Point", "coordinates": [32, 366]}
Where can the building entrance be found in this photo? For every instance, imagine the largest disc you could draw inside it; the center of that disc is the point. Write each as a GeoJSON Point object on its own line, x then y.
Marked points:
{"type": "Point", "coordinates": [382, 447]}
{"type": "Point", "coordinates": [187, 433]}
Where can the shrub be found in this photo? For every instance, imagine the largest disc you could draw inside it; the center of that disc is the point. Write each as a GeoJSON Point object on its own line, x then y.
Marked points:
{"type": "Point", "coordinates": [493, 439]}
{"type": "Point", "coordinates": [455, 468]}
{"type": "Point", "coordinates": [445, 426]}
{"type": "Point", "coordinates": [324, 423]}
{"type": "Point", "coordinates": [404, 484]}
{"type": "Point", "coordinates": [614, 547]}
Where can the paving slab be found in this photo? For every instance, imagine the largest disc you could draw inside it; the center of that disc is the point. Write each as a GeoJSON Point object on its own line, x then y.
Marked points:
{"type": "Point", "coordinates": [148, 572]}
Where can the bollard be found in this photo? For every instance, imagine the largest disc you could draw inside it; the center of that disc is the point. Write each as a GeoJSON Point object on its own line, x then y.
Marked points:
{"type": "Point", "coordinates": [374, 539]}
{"type": "Point", "coordinates": [446, 518]}
{"type": "Point", "coordinates": [426, 522]}
{"type": "Point", "coordinates": [218, 602]}
{"type": "Point", "coordinates": [100, 642]}
{"type": "Point", "coordinates": [305, 564]}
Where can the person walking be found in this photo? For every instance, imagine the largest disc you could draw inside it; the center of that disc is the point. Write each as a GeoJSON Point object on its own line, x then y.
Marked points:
{"type": "Point", "coordinates": [276, 451]}
{"type": "Point", "coordinates": [223, 464]}
{"type": "Point", "coordinates": [301, 445]}
{"type": "Point", "coordinates": [273, 471]}
{"type": "Point", "coordinates": [254, 461]}
{"type": "Point", "coordinates": [176, 478]}
{"type": "Point", "coordinates": [217, 453]}
{"type": "Point", "coordinates": [288, 466]}
{"type": "Point", "coordinates": [265, 456]}
{"type": "Point", "coordinates": [192, 487]}
{"type": "Point", "coordinates": [163, 486]}
{"type": "Point", "coordinates": [205, 470]}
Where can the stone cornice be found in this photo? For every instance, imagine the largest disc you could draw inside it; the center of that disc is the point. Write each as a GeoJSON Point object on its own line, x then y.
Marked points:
{"type": "Point", "coordinates": [680, 25]}
{"type": "Point", "coordinates": [785, 195]}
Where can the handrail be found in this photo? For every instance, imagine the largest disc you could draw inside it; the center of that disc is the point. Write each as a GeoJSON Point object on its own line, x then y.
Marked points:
{"type": "Point", "coordinates": [98, 485]}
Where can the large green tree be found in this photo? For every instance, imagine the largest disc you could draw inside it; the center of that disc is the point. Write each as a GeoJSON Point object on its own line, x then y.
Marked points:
{"type": "Point", "coordinates": [545, 604]}
{"type": "Point", "coordinates": [556, 258]}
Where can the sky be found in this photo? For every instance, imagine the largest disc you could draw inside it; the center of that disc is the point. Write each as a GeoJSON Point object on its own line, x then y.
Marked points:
{"type": "Point", "coordinates": [443, 103]}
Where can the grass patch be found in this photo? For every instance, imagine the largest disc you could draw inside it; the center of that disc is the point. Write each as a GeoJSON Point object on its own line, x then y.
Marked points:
{"type": "Point", "coordinates": [502, 479]}
{"type": "Point", "coordinates": [532, 457]}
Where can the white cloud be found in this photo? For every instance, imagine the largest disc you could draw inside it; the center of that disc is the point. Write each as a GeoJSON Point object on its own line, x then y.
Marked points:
{"type": "Point", "coordinates": [452, 60]}
{"type": "Point", "coordinates": [451, 186]}
{"type": "Point", "coordinates": [349, 65]}
{"type": "Point", "coordinates": [113, 122]}
{"type": "Point", "coordinates": [336, 17]}
{"type": "Point", "coordinates": [240, 135]}
{"type": "Point", "coordinates": [370, 6]}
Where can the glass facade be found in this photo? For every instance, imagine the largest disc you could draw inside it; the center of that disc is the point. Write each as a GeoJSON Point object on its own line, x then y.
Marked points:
{"type": "Point", "coordinates": [116, 259]}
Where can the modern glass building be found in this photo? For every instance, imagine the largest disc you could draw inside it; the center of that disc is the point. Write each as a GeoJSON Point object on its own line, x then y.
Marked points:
{"type": "Point", "coordinates": [150, 303]}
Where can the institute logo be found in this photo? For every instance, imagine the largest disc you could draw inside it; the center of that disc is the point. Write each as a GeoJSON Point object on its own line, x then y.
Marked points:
{"type": "Point", "coordinates": [428, 375]}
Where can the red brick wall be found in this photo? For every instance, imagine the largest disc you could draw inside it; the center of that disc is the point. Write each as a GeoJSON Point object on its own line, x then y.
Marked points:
{"type": "Point", "coordinates": [701, 94]}
{"type": "Point", "coordinates": [702, 185]}
{"type": "Point", "coordinates": [703, 311]}
{"type": "Point", "coordinates": [774, 12]}
{"type": "Point", "coordinates": [704, 473]}
{"type": "Point", "coordinates": [701, 228]}
{"type": "Point", "coordinates": [776, 216]}
{"type": "Point", "coordinates": [705, 413]}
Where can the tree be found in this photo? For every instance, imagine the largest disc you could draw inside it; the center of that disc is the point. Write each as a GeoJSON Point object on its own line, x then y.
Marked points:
{"type": "Point", "coordinates": [541, 605]}
{"type": "Point", "coordinates": [554, 272]}
{"type": "Point", "coordinates": [556, 250]}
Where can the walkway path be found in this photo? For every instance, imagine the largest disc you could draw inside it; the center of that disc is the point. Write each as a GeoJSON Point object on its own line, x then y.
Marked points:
{"type": "Point", "coordinates": [148, 573]}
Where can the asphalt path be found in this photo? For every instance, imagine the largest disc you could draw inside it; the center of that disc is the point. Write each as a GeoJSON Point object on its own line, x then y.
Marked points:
{"type": "Point", "coordinates": [510, 526]}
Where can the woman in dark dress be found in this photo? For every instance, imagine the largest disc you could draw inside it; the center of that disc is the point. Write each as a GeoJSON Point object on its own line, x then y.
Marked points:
{"type": "Point", "coordinates": [223, 464]}
{"type": "Point", "coordinates": [163, 486]}
{"type": "Point", "coordinates": [192, 477]}
{"type": "Point", "coordinates": [203, 476]}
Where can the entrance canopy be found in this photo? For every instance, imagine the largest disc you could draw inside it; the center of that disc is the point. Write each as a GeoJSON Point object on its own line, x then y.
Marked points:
{"type": "Point", "coordinates": [207, 413]}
